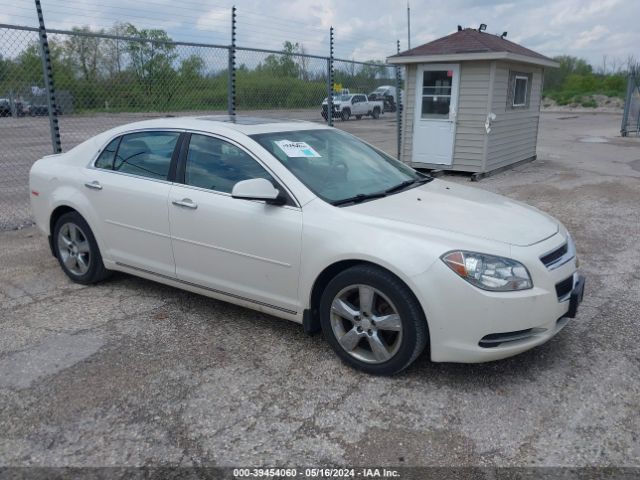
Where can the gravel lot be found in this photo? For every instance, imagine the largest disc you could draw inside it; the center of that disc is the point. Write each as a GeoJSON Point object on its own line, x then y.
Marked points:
{"type": "Point", "coordinates": [134, 373]}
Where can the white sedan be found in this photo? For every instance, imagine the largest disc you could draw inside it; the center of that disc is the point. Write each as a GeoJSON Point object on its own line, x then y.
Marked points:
{"type": "Point", "coordinates": [311, 224]}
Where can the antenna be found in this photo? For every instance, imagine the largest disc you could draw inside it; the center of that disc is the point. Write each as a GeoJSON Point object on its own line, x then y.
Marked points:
{"type": "Point", "coordinates": [408, 26]}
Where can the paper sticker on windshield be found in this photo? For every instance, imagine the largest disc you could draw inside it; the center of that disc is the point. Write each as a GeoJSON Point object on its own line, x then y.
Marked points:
{"type": "Point", "coordinates": [297, 149]}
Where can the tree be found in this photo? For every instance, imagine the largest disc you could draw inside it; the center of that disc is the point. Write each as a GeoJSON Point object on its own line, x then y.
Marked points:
{"type": "Point", "coordinates": [303, 62]}
{"type": "Point", "coordinates": [114, 50]}
{"type": "Point", "coordinates": [191, 68]}
{"type": "Point", "coordinates": [152, 60]}
{"type": "Point", "coordinates": [555, 77]}
{"type": "Point", "coordinates": [283, 65]}
{"type": "Point", "coordinates": [83, 52]}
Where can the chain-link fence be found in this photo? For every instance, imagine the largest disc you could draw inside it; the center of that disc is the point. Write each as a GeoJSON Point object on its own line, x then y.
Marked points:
{"type": "Point", "coordinates": [631, 113]}
{"type": "Point", "coordinates": [105, 80]}
{"type": "Point", "coordinates": [24, 134]}
{"type": "Point", "coordinates": [280, 84]}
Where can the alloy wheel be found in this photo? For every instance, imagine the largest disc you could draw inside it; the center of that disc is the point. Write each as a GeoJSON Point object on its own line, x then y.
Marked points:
{"type": "Point", "coordinates": [366, 324]}
{"type": "Point", "coordinates": [74, 249]}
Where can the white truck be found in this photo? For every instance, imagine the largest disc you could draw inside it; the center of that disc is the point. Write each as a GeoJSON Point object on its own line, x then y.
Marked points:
{"type": "Point", "coordinates": [355, 104]}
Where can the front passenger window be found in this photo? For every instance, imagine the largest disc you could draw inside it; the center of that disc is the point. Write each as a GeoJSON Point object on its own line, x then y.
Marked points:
{"type": "Point", "coordinates": [218, 165]}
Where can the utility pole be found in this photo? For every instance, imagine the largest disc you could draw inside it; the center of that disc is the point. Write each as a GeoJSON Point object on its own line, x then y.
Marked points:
{"type": "Point", "coordinates": [408, 26]}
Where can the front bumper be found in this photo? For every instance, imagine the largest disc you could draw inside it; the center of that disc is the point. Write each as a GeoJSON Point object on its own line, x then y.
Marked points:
{"type": "Point", "coordinates": [336, 113]}
{"type": "Point", "coordinates": [470, 325]}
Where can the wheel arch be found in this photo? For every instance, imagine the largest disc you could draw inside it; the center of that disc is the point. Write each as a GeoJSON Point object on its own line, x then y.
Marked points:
{"type": "Point", "coordinates": [311, 321]}
{"type": "Point", "coordinates": [53, 218]}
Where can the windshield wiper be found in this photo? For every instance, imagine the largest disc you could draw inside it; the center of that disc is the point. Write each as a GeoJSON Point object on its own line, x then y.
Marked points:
{"type": "Point", "coordinates": [407, 183]}
{"type": "Point", "coordinates": [361, 197]}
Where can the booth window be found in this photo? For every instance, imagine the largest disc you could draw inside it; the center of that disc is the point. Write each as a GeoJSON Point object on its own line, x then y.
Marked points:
{"type": "Point", "coordinates": [519, 90]}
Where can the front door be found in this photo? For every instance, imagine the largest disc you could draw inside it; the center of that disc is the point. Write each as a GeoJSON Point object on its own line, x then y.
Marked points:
{"type": "Point", "coordinates": [434, 127]}
{"type": "Point", "coordinates": [242, 248]}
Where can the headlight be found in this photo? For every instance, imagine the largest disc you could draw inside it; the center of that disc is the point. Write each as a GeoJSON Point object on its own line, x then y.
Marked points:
{"type": "Point", "coordinates": [488, 272]}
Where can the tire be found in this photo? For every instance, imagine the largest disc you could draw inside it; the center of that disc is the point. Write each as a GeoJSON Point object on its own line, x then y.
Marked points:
{"type": "Point", "coordinates": [369, 346]}
{"type": "Point", "coordinates": [358, 117]}
{"type": "Point", "coordinates": [325, 116]}
{"type": "Point", "coordinates": [376, 113]}
{"type": "Point", "coordinates": [345, 114]}
{"type": "Point", "coordinates": [77, 251]}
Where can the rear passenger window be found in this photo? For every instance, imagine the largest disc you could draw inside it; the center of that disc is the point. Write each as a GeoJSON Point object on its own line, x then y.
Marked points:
{"type": "Point", "coordinates": [217, 165]}
{"type": "Point", "coordinates": [105, 160]}
{"type": "Point", "coordinates": [147, 154]}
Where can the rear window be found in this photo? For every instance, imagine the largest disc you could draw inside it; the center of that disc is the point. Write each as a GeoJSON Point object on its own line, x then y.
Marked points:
{"type": "Point", "coordinates": [146, 154]}
{"type": "Point", "coordinates": [108, 155]}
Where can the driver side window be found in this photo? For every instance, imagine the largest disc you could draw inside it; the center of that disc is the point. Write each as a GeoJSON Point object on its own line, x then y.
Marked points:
{"type": "Point", "coordinates": [218, 165]}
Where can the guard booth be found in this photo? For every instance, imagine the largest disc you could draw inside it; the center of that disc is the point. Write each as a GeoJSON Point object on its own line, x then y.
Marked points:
{"type": "Point", "coordinates": [472, 102]}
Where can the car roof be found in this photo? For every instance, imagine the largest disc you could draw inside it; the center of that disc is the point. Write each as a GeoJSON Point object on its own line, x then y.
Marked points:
{"type": "Point", "coordinates": [220, 123]}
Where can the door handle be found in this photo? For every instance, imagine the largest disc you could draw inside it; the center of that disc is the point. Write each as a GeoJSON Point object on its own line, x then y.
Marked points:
{"type": "Point", "coordinates": [185, 202]}
{"type": "Point", "coordinates": [95, 185]}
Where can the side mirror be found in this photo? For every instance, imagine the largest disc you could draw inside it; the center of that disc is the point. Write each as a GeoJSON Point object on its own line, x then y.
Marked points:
{"type": "Point", "coordinates": [258, 189]}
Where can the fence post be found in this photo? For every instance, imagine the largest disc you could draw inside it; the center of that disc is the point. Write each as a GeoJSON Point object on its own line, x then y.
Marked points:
{"type": "Point", "coordinates": [231, 87]}
{"type": "Point", "coordinates": [627, 104]}
{"type": "Point", "coordinates": [398, 104]}
{"type": "Point", "coordinates": [45, 55]}
{"type": "Point", "coordinates": [330, 80]}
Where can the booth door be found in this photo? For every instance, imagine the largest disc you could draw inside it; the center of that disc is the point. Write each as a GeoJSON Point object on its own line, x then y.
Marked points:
{"type": "Point", "coordinates": [434, 127]}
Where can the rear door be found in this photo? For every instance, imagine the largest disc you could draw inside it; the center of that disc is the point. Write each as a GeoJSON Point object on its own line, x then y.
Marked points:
{"type": "Point", "coordinates": [242, 248]}
{"type": "Point", "coordinates": [129, 186]}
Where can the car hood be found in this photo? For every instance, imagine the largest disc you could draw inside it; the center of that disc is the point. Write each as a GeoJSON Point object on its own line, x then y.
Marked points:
{"type": "Point", "coordinates": [464, 210]}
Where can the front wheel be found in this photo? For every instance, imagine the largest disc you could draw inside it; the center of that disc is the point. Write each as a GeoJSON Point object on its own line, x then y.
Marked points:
{"type": "Point", "coordinates": [372, 320]}
{"type": "Point", "coordinates": [77, 250]}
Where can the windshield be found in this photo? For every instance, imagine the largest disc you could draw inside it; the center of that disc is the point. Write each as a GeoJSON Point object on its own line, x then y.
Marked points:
{"type": "Point", "coordinates": [336, 165]}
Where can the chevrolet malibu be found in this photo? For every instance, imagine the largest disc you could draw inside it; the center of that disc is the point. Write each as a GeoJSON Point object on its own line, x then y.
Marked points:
{"type": "Point", "coordinates": [308, 223]}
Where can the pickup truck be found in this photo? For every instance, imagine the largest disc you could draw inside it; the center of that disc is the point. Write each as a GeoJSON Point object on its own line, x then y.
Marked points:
{"type": "Point", "coordinates": [357, 104]}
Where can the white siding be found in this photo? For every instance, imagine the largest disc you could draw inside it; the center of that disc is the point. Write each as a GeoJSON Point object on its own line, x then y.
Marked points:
{"type": "Point", "coordinates": [468, 150]}
{"type": "Point", "coordinates": [514, 132]}
{"type": "Point", "coordinates": [408, 113]}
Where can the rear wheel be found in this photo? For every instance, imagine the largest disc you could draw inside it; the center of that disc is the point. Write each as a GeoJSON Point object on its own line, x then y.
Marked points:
{"type": "Point", "coordinates": [77, 251]}
{"type": "Point", "coordinates": [346, 113]}
{"type": "Point", "coordinates": [376, 113]}
{"type": "Point", "coordinates": [372, 320]}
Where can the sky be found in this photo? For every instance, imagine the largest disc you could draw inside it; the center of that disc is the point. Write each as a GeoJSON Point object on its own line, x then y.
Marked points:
{"type": "Point", "coordinates": [604, 32]}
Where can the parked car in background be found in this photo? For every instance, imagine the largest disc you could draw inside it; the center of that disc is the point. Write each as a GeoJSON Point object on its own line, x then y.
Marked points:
{"type": "Point", "coordinates": [309, 223]}
{"type": "Point", "coordinates": [388, 94]}
{"type": "Point", "coordinates": [22, 108]}
{"type": "Point", "coordinates": [36, 109]}
{"type": "Point", "coordinates": [5, 107]}
{"type": "Point", "coordinates": [357, 105]}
